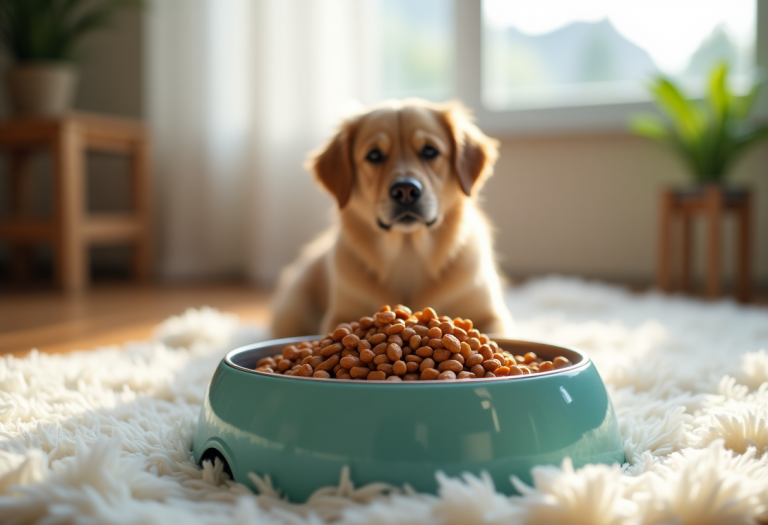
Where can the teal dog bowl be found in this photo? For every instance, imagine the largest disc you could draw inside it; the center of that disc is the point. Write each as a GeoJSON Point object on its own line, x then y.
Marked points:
{"type": "Point", "coordinates": [303, 431]}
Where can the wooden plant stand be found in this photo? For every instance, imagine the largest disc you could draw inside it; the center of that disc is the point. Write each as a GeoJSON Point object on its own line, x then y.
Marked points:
{"type": "Point", "coordinates": [712, 203]}
{"type": "Point", "coordinates": [72, 229]}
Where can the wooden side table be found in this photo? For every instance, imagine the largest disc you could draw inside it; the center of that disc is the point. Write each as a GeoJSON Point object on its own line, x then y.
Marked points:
{"type": "Point", "coordinates": [712, 203]}
{"type": "Point", "coordinates": [71, 229]}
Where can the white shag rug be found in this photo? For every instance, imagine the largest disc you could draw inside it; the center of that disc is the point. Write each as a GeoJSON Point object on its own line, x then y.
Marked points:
{"type": "Point", "coordinates": [104, 436]}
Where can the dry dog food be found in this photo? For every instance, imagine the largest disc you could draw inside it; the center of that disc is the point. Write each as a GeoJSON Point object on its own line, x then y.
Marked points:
{"type": "Point", "coordinates": [400, 345]}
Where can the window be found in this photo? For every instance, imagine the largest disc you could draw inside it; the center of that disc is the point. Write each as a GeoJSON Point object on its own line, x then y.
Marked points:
{"type": "Point", "coordinates": [538, 66]}
{"type": "Point", "coordinates": [415, 49]}
{"type": "Point", "coordinates": [564, 52]}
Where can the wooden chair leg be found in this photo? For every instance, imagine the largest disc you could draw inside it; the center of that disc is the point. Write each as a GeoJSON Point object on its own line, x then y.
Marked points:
{"type": "Point", "coordinates": [21, 207]}
{"type": "Point", "coordinates": [685, 257]}
{"type": "Point", "coordinates": [142, 255]}
{"type": "Point", "coordinates": [744, 256]}
{"type": "Point", "coordinates": [714, 220]}
{"type": "Point", "coordinates": [70, 248]}
{"type": "Point", "coordinates": [663, 277]}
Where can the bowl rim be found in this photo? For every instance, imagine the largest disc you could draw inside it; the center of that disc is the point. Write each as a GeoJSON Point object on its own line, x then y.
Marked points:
{"type": "Point", "coordinates": [585, 361]}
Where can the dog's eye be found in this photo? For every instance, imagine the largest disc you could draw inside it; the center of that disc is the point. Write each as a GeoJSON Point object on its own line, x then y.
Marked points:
{"type": "Point", "coordinates": [429, 152]}
{"type": "Point", "coordinates": [375, 156]}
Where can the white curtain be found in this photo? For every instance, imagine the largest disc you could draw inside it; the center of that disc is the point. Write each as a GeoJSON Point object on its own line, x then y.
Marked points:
{"type": "Point", "coordinates": [238, 92]}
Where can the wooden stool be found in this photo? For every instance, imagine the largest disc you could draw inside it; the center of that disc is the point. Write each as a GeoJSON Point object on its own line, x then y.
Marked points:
{"type": "Point", "coordinates": [712, 203]}
{"type": "Point", "coordinates": [72, 229]}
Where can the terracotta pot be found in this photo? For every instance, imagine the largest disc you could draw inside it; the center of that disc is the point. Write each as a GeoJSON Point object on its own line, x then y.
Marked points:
{"type": "Point", "coordinates": [41, 88]}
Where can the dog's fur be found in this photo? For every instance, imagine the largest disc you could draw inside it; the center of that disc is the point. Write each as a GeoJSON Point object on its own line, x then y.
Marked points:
{"type": "Point", "coordinates": [437, 252]}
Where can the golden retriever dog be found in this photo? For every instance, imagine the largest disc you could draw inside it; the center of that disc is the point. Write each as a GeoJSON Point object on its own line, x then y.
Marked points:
{"type": "Point", "coordinates": [405, 175]}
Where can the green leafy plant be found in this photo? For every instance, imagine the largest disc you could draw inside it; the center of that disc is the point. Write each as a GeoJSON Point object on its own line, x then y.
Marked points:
{"type": "Point", "coordinates": [50, 30]}
{"type": "Point", "coordinates": [709, 135]}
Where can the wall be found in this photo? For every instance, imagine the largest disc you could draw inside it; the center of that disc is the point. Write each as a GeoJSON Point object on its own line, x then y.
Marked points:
{"type": "Point", "coordinates": [587, 205]}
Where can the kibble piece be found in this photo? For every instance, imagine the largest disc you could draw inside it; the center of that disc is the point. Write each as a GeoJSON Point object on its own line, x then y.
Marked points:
{"type": "Point", "coordinates": [460, 334]}
{"type": "Point", "coordinates": [360, 372]}
{"type": "Point", "coordinates": [546, 366]}
{"type": "Point", "coordinates": [332, 349]}
{"type": "Point", "coordinates": [427, 363]}
{"type": "Point", "coordinates": [414, 342]}
{"type": "Point", "coordinates": [291, 352]}
{"type": "Point", "coordinates": [350, 340]}
{"type": "Point", "coordinates": [314, 361]}
{"type": "Point", "coordinates": [498, 356]}
{"type": "Point", "coordinates": [478, 370]}
{"type": "Point", "coordinates": [451, 343]}
{"type": "Point", "coordinates": [395, 329]}
{"type": "Point", "coordinates": [429, 374]}
{"type": "Point", "coordinates": [363, 345]}
{"type": "Point", "coordinates": [339, 334]}
{"type": "Point", "coordinates": [322, 374]}
{"type": "Point", "coordinates": [367, 356]}
{"type": "Point", "coordinates": [380, 348]}
{"type": "Point", "coordinates": [411, 377]}
{"type": "Point", "coordinates": [561, 362]}
{"type": "Point", "coordinates": [435, 343]}
{"type": "Point", "coordinates": [351, 362]}
{"type": "Point", "coordinates": [385, 317]}
{"type": "Point", "coordinates": [425, 351]}
{"type": "Point", "coordinates": [428, 313]}
{"type": "Point", "coordinates": [284, 364]}
{"type": "Point", "coordinates": [465, 375]}
{"type": "Point", "coordinates": [350, 351]}
{"type": "Point", "coordinates": [502, 371]}
{"type": "Point", "coordinates": [394, 352]}
{"type": "Point", "coordinates": [515, 371]}
{"type": "Point", "coordinates": [343, 374]}
{"type": "Point", "coordinates": [466, 350]}
{"type": "Point", "coordinates": [377, 338]}
{"type": "Point", "coordinates": [400, 368]}
{"type": "Point", "coordinates": [413, 358]}
{"type": "Point", "coordinates": [394, 378]}
{"type": "Point", "coordinates": [447, 375]}
{"type": "Point", "coordinates": [265, 369]}
{"type": "Point", "coordinates": [435, 333]}
{"type": "Point", "coordinates": [525, 369]}
{"type": "Point", "coordinates": [366, 322]}
{"type": "Point", "coordinates": [491, 364]}
{"type": "Point", "coordinates": [386, 368]}
{"type": "Point", "coordinates": [486, 352]}
{"type": "Point", "coordinates": [530, 357]}
{"type": "Point", "coordinates": [474, 359]}
{"type": "Point", "coordinates": [383, 358]}
{"type": "Point", "coordinates": [305, 371]}
{"type": "Point", "coordinates": [489, 374]}
{"type": "Point", "coordinates": [412, 366]}
{"type": "Point", "coordinates": [474, 343]}
{"type": "Point", "coordinates": [421, 330]}
{"type": "Point", "coordinates": [452, 365]}
{"type": "Point", "coordinates": [458, 357]}
{"type": "Point", "coordinates": [441, 354]}
{"type": "Point", "coordinates": [407, 334]}
{"type": "Point", "coordinates": [377, 376]}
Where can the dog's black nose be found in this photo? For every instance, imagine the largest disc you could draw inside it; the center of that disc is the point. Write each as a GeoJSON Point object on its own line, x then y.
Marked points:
{"type": "Point", "coordinates": [405, 191]}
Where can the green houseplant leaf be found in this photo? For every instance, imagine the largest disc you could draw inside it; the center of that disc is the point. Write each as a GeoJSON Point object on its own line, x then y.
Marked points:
{"type": "Point", "coordinates": [708, 135]}
{"type": "Point", "coordinates": [50, 30]}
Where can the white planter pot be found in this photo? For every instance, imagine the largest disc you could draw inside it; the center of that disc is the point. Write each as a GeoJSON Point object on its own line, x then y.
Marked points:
{"type": "Point", "coordinates": [41, 89]}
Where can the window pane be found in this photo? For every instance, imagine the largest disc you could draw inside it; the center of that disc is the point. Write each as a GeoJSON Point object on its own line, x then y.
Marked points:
{"type": "Point", "coordinates": [563, 52]}
{"type": "Point", "coordinates": [416, 49]}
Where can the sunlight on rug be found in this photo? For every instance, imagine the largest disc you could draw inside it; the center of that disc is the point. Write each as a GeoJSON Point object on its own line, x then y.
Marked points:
{"type": "Point", "coordinates": [104, 436]}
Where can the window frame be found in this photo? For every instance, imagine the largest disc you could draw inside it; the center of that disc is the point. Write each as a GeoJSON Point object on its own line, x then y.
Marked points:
{"type": "Point", "coordinates": [468, 20]}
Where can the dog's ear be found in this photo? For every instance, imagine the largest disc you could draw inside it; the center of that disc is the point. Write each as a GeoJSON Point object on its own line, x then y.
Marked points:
{"type": "Point", "coordinates": [332, 165]}
{"type": "Point", "coordinates": [474, 152]}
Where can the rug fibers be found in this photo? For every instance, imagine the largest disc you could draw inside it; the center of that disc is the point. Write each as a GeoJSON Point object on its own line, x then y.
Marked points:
{"type": "Point", "coordinates": [104, 436]}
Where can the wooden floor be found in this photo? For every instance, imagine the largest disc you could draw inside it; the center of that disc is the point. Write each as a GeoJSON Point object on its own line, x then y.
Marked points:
{"type": "Point", "coordinates": [108, 314]}
{"type": "Point", "coordinates": [52, 321]}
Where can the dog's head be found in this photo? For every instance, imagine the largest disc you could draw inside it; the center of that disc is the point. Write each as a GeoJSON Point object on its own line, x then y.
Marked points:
{"type": "Point", "coordinates": [403, 164]}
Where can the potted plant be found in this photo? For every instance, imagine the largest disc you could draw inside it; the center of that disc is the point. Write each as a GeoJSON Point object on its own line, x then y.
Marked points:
{"type": "Point", "coordinates": [41, 38]}
{"type": "Point", "coordinates": [709, 135]}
